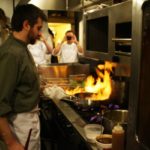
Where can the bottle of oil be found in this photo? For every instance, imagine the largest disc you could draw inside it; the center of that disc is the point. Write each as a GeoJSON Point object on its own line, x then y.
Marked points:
{"type": "Point", "coordinates": [118, 138]}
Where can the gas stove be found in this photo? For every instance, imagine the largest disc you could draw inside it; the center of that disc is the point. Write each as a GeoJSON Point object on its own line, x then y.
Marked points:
{"type": "Point", "coordinates": [92, 114]}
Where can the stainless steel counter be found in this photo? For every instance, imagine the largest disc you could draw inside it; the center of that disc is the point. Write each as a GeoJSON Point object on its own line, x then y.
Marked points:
{"type": "Point", "coordinates": [76, 121]}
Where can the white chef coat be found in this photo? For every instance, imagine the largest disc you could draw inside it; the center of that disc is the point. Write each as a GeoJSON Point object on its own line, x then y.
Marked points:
{"type": "Point", "coordinates": [68, 53]}
{"type": "Point", "coordinates": [38, 51]}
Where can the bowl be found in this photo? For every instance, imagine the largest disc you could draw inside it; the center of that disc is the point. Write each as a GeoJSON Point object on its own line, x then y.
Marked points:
{"type": "Point", "coordinates": [92, 131]}
{"type": "Point", "coordinates": [104, 141]}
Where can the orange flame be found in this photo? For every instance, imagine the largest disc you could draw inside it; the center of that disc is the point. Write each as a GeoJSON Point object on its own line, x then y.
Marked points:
{"type": "Point", "coordinates": [100, 87]}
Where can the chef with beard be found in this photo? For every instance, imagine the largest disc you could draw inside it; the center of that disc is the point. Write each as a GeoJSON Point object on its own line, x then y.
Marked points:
{"type": "Point", "coordinates": [19, 83]}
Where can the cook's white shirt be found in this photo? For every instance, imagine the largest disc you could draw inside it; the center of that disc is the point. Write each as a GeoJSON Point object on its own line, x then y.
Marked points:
{"type": "Point", "coordinates": [38, 51]}
{"type": "Point", "coordinates": [68, 53]}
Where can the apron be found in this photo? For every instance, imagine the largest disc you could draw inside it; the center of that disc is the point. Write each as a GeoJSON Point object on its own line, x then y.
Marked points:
{"type": "Point", "coordinates": [22, 123]}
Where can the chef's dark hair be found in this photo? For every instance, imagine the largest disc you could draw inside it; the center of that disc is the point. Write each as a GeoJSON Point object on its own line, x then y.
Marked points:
{"type": "Point", "coordinates": [50, 32]}
{"type": "Point", "coordinates": [26, 12]}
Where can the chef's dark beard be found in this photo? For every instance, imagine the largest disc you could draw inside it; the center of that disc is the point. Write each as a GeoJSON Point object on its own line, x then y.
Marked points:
{"type": "Point", "coordinates": [32, 41]}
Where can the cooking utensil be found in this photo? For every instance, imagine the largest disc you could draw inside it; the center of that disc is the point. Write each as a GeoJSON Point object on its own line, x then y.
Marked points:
{"type": "Point", "coordinates": [104, 141]}
{"type": "Point", "coordinates": [83, 100]}
{"type": "Point", "coordinates": [92, 131]}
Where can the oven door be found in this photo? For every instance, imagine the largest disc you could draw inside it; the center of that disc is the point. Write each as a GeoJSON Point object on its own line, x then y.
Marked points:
{"type": "Point", "coordinates": [139, 105]}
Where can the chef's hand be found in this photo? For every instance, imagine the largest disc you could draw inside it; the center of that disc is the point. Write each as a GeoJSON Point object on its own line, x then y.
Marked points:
{"type": "Point", "coordinates": [42, 37]}
{"type": "Point", "coordinates": [75, 40]}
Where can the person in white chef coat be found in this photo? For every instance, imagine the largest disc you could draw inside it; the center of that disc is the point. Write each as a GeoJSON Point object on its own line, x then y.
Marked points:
{"type": "Point", "coordinates": [41, 50]}
{"type": "Point", "coordinates": [69, 49]}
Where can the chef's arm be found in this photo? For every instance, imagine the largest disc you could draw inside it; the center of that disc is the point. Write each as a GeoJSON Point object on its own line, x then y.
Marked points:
{"type": "Point", "coordinates": [57, 48]}
{"type": "Point", "coordinates": [49, 48]}
{"type": "Point", "coordinates": [7, 136]}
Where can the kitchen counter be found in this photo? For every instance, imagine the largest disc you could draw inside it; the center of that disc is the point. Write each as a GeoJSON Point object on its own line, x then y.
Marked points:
{"type": "Point", "coordinates": [76, 121]}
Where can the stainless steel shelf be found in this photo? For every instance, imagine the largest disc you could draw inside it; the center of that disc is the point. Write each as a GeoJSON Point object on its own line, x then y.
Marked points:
{"type": "Point", "coordinates": [123, 53]}
{"type": "Point", "coordinates": [122, 40]}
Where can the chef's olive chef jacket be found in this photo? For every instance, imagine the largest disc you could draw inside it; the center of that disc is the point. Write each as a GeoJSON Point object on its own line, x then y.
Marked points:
{"type": "Point", "coordinates": [19, 84]}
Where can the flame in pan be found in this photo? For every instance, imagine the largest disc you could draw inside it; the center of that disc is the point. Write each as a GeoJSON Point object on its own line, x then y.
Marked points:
{"type": "Point", "coordinates": [100, 87]}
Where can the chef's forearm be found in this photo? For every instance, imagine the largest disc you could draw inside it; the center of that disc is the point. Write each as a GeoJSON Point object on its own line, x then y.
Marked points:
{"type": "Point", "coordinates": [57, 49]}
{"type": "Point", "coordinates": [49, 48]}
{"type": "Point", "coordinates": [5, 132]}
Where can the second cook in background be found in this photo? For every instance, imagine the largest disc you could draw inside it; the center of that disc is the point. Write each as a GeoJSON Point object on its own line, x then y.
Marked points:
{"type": "Point", "coordinates": [68, 49]}
{"type": "Point", "coordinates": [40, 49]}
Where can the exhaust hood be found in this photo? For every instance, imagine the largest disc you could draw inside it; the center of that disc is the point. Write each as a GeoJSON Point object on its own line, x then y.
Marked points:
{"type": "Point", "coordinates": [72, 5]}
{"type": "Point", "coordinates": [47, 4]}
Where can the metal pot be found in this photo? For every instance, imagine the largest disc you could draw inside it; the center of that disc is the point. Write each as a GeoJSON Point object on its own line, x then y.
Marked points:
{"type": "Point", "coordinates": [112, 117]}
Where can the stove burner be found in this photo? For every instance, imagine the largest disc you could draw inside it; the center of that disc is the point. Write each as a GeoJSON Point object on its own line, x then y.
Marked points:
{"type": "Point", "coordinates": [92, 114]}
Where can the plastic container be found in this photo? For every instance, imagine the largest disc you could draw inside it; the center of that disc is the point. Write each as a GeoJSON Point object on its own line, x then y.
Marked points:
{"type": "Point", "coordinates": [118, 138]}
{"type": "Point", "coordinates": [104, 142]}
{"type": "Point", "coordinates": [92, 131]}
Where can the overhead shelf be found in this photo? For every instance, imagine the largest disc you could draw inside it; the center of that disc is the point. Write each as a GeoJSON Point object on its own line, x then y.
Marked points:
{"type": "Point", "coordinates": [85, 4]}
{"type": "Point", "coordinates": [122, 41]}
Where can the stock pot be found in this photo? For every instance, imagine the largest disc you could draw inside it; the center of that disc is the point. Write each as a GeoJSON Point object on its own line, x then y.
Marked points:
{"type": "Point", "coordinates": [112, 117]}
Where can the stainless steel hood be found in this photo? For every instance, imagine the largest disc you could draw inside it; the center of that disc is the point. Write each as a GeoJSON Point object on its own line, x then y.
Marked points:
{"type": "Point", "coordinates": [47, 4]}
{"type": "Point", "coordinates": [78, 5]}
{"type": "Point", "coordinates": [71, 5]}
